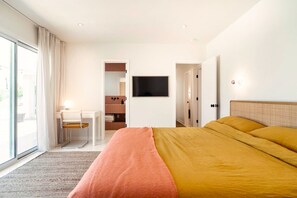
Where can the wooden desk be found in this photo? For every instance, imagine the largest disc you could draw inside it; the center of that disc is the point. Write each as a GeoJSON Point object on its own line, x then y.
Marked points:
{"type": "Point", "coordinates": [95, 116]}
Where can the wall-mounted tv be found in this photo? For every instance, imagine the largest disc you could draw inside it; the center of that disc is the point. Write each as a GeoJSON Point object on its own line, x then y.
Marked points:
{"type": "Point", "coordinates": [150, 86]}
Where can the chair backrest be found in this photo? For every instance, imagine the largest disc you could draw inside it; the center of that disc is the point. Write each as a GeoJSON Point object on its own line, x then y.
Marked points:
{"type": "Point", "coordinates": [71, 116]}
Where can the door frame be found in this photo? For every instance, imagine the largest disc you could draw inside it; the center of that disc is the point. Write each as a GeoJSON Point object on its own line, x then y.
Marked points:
{"type": "Point", "coordinates": [194, 62]}
{"type": "Point", "coordinates": [198, 93]}
{"type": "Point", "coordinates": [102, 101]}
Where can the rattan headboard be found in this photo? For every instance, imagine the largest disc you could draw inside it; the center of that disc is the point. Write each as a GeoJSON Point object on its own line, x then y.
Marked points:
{"type": "Point", "coordinates": [268, 113]}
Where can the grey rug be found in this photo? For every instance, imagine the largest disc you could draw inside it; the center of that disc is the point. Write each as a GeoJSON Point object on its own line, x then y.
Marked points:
{"type": "Point", "coordinates": [52, 174]}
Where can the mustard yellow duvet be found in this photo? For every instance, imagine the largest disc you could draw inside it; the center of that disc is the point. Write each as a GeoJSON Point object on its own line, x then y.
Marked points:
{"type": "Point", "coordinates": [220, 161]}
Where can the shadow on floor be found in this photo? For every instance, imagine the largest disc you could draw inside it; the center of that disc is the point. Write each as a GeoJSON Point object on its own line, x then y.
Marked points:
{"type": "Point", "coordinates": [178, 124]}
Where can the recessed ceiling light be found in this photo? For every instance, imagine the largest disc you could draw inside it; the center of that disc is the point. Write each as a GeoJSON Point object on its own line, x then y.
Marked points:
{"type": "Point", "coordinates": [184, 26]}
{"type": "Point", "coordinates": [80, 24]}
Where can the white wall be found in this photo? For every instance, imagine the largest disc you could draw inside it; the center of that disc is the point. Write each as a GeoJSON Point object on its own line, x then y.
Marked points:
{"type": "Point", "coordinates": [181, 69]}
{"type": "Point", "coordinates": [84, 77]}
{"type": "Point", "coordinates": [17, 26]}
{"type": "Point", "coordinates": [259, 49]}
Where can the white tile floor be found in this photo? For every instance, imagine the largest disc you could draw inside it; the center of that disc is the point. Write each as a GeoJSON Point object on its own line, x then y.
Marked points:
{"type": "Point", "coordinates": [100, 145]}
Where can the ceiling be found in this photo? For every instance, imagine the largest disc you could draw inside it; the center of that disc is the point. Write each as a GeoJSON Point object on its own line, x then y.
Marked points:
{"type": "Point", "coordinates": [134, 21]}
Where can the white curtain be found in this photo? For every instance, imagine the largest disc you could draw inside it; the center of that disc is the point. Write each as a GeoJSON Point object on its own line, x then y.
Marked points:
{"type": "Point", "coordinates": [50, 87]}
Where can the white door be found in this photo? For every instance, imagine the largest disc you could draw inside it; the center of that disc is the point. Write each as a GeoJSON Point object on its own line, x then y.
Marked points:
{"type": "Point", "coordinates": [209, 91]}
{"type": "Point", "coordinates": [188, 98]}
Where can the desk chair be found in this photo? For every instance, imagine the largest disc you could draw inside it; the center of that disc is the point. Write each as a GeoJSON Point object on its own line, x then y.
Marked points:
{"type": "Point", "coordinates": [72, 119]}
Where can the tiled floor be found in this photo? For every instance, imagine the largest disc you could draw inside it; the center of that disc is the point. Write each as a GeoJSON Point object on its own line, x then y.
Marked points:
{"type": "Point", "coordinates": [100, 145]}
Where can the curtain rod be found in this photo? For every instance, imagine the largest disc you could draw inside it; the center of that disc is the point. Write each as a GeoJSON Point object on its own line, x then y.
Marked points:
{"type": "Point", "coordinates": [20, 13]}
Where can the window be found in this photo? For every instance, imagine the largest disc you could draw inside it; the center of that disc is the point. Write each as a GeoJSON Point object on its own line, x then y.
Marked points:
{"type": "Point", "coordinates": [18, 131]}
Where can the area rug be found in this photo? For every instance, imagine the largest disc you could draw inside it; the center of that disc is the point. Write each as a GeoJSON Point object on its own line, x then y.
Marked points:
{"type": "Point", "coordinates": [52, 174]}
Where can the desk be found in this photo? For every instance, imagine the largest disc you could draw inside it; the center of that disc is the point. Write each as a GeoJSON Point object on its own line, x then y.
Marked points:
{"type": "Point", "coordinates": [95, 116]}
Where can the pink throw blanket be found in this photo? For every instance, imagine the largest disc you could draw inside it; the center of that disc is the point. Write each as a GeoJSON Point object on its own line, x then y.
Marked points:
{"type": "Point", "coordinates": [129, 166]}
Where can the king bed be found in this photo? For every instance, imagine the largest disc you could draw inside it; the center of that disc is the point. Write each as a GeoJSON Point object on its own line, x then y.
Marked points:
{"type": "Point", "coordinates": [251, 153]}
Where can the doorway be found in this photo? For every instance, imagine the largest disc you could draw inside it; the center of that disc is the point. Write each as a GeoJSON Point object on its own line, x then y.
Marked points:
{"type": "Point", "coordinates": [188, 92]}
{"type": "Point", "coordinates": [115, 100]}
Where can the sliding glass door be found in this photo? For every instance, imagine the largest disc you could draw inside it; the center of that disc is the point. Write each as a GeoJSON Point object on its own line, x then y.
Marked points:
{"type": "Point", "coordinates": [6, 100]}
{"type": "Point", "coordinates": [18, 128]}
{"type": "Point", "coordinates": [26, 99]}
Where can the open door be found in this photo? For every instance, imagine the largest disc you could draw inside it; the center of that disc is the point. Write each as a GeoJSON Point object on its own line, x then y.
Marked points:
{"type": "Point", "coordinates": [195, 97]}
{"type": "Point", "coordinates": [209, 91]}
{"type": "Point", "coordinates": [188, 89]}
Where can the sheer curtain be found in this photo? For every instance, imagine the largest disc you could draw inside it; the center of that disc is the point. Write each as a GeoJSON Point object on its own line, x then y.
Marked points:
{"type": "Point", "coordinates": [50, 87]}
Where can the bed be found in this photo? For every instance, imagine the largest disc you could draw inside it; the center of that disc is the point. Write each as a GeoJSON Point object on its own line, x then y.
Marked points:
{"type": "Point", "coordinates": [251, 153]}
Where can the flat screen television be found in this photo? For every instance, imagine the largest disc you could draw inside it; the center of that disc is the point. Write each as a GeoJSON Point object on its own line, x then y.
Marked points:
{"type": "Point", "coordinates": [150, 86]}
